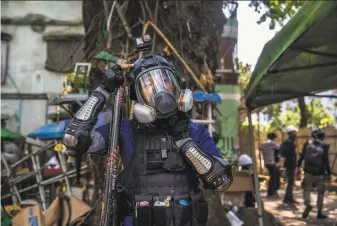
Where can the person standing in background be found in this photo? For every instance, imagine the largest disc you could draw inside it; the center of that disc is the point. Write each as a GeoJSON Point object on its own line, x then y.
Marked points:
{"type": "Point", "coordinates": [316, 166]}
{"type": "Point", "coordinates": [245, 161]}
{"type": "Point", "coordinates": [269, 150]}
{"type": "Point", "coordinates": [288, 151]}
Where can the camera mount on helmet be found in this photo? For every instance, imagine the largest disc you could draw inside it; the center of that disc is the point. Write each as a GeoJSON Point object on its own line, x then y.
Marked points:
{"type": "Point", "coordinates": [143, 44]}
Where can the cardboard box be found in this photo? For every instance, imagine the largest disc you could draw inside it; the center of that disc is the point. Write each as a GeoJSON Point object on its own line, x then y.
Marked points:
{"type": "Point", "coordinates": [78, 210]}
{"type": "Point", "coordinates": [29, 216]}
{"type": "Point", "coordinates": [242, 182]}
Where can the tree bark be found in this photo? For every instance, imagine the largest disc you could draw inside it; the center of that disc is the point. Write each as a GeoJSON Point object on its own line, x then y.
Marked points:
{"type": "Point", "coordinates": [304, 112]}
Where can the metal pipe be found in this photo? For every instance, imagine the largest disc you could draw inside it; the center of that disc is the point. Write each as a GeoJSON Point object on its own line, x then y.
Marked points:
{"type": "Point", "coordinates": [13, 189]}
{"type": "Point", "coordinates": [39, 180]}
{"type": "Point", "coordinates": [203, 121]}
{"type": "Point", "coordinates": [108, 216]}
{"type": "Point", "coordinates": [70, 174]}
{"type": "Point", "coordinates": [25, 176]}
{"type": "Point", "coordinates": [209, 118]}
{"type": "Point", "coordinates": [175, 52]}
{"type": "Point", "coordinates": [44, 148]}
{"type": "Point", "coordinates": [64, 170]}
{"type": "Point", "coordinates": [255, 175]}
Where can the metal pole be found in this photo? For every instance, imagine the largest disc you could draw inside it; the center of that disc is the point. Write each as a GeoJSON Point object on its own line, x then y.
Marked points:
{"type": "Point", "coordinates": [70, 174]}
{"type": "Point", "coordinates": [44, 148]}
{"type": "Point", "coordinates": [39, 180]}
{"type": "Point", "coordinates": [13, 189]}
{"type": "Point", "coordinates": [26, 176]}
{"type": "Point", "coordinates": [64, 170]}
{"type": "Point", "coordinates": [256, 180]}
{"type": "Point", "coordinates": [109, 208]}
{"type": "Point", "coordinates": [209, 118]}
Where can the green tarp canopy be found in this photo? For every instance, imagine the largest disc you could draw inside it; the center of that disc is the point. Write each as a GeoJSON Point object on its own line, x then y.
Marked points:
{"type": "Point", "coordinates": [300, 60]}
{"type": "Point", "coordinates": [7, 134]}
{"type": "Point", "coordinates": [105, 56]}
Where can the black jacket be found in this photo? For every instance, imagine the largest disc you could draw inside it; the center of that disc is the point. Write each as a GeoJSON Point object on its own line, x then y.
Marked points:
{"type": "Point", "coordinates": [325, 166]}
{"type": "Point", "coordinates": [288, 151]}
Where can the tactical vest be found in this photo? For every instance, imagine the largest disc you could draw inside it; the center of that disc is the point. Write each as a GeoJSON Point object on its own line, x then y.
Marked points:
{"type": "Point", "coordinates": [313, 157]}
{"type": "Point", "coordinates": [161, 187]}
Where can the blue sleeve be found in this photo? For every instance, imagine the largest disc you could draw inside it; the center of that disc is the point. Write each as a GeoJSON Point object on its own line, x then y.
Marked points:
{"type": "Point", "coordinates": [100, 140]}
{"type": "Point", "coordinates": [201, 136]}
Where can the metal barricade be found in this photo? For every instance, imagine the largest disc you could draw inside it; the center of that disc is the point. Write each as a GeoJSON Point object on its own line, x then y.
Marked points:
{"type": "Point", "coordinates": [14, 180]}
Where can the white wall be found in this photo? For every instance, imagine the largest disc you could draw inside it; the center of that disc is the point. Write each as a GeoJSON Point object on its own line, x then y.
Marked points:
{"type": "Point", "coordinates": [27, 56]}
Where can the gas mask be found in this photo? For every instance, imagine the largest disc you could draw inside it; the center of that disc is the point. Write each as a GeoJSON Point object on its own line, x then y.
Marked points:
{"type": "Point", "coordinates": [159, 95]}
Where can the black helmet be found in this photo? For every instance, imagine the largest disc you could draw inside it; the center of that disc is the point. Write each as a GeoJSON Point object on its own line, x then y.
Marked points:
{"type": "Point", "coordinates": [154, 82]}
{"type": "Point", "coordinates": [271, 136]}
{"type": "Point", "coordinates": [318, 134]}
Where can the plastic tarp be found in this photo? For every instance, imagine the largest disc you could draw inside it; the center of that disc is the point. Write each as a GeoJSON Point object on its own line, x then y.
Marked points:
{"type": "Point", "coordinates": [199, 96]}
{"type": "Point", "coordinates": [7, 134]}
{"type": "Point", "coordinates": [300, 60]}
{"type": "Point", "coordinates": [55, 130]}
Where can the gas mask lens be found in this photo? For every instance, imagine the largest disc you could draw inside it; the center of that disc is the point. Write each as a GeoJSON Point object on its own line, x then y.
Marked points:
{"type": "Point", "coordinates": [155, 83]}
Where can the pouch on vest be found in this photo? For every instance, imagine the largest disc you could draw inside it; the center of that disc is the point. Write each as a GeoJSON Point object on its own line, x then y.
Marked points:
{"type": "Point", "coordinates": [182, 214]}
{"type": "Point", "coordinates": [199, 209]}
{"type": "Point", "coordinates": [159, 215]}
{"type": "Point", "coordinates": [162, 154]}
{"type": "Point", "coordinates": [143, 211]}
{"type": "Point", "coordinates": [174, 161]}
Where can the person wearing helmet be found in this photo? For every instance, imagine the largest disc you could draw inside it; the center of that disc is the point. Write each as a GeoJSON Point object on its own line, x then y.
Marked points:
{"type": "Point", "coordinates": [315, 154]}
{"type": "Point", "coordinates": [163, 152]}
{"type": "Point", "coordinates": [245, 161]}
{"type": "Point", "coordinates": [288, 151]}
{"type": "Point", "coordinates": [269, 150]}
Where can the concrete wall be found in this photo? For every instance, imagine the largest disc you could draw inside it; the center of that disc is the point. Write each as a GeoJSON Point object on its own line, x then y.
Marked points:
{"type": "Point", "coordinates": [27, 56]}
{"type": "Point", "coordinates": [227, 120]}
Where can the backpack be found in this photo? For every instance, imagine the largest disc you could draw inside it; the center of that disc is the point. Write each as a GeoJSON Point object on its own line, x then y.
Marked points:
{"type": "Point", "coordinates": [313, 157]}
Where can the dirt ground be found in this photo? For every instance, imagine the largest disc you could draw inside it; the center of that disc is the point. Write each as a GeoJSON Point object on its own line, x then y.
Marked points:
{"type": "Point", "coordinates": [292, 216]}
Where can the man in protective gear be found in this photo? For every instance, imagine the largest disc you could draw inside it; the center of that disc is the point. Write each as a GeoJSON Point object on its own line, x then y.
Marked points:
{"type": "Point", "coordinates": [316, 166]}
{"type": "Point", "coordinates": [163, 152]}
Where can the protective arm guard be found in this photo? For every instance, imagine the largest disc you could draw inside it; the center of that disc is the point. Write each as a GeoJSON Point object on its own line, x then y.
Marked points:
{"type": "Point", "coordinates": [76, 135]}
{"type": "Point", "coordinates": [215, 172]}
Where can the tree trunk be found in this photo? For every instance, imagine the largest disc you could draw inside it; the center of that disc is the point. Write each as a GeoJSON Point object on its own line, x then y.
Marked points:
{"type": "Point", "coordinates": [304, 112]}
{"type": "Point", "coordinates": [193, 28]}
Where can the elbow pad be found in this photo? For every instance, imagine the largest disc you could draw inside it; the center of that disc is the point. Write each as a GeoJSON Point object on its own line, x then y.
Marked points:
{"type": "Point", "coordinates": [215, 172]}
{"type": "Point", "coordinates": [76, 135]}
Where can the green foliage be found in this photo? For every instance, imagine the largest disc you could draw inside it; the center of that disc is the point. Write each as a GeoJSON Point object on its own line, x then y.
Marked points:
{"type": "Point", "coordinates": [321, 117]}
{"type": "Point", "coordinates": [244, 74]}
{"type": "Point", "coordinates": [276, 11]}
{"type": "Point", "coordinates": [280, 120]}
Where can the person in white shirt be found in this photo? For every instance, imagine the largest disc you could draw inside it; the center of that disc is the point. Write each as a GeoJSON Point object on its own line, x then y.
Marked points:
{"type": "Point", "coordinates": [269, 150]}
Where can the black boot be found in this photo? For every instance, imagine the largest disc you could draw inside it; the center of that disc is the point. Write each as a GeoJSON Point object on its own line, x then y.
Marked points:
{"type": "Point", "coordinates": [320, 215]}
{"type": "Point", "coordinates": [306, 212]}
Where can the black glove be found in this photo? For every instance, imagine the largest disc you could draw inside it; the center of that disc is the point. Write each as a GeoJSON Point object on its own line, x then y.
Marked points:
{"type": "Point", "coordinates": [76, 137]}
{"type": "Point", "coordinates": [113, 78]}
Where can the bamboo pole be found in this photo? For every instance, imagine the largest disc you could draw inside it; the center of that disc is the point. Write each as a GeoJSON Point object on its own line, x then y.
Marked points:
{"type": "Point", "coordinates": [175, 52]}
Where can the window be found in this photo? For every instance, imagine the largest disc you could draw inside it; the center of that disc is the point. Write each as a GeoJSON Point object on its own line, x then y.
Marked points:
{"type": "Point", "coordinates": [63, 52]}
{"type": "Point", "coordinates": [5, 39]}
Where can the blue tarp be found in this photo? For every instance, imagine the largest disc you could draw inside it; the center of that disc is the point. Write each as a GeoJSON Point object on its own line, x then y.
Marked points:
{"type": "Point", "coordinates": [199, 96]}
{"type": "Point", "coordinates": [55, 130]}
